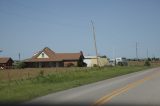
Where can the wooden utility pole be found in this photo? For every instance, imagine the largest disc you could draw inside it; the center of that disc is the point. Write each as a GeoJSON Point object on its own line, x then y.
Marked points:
{"type": "Point", "coordinates": [19, 56]}
{"type": "Point", "coordinates": [95, 45]}
{"type": "Point", "coordinates": [147, 53]}
{"type": "Point", "coordinates": [136, 51]}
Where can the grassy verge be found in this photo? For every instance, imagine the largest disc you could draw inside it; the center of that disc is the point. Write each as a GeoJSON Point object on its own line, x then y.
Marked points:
{"type": "Point", "coordinates": [21, 90]}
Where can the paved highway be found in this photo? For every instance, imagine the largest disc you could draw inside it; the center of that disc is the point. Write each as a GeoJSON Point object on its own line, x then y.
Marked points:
{"type": "Point", "coordinates": [137, 89]}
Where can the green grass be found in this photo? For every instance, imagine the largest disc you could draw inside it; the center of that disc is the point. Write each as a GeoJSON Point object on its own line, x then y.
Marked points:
{"type": "Point", "coordinates": [22, 90]}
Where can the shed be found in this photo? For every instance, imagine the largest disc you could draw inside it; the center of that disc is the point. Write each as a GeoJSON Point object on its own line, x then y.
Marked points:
{"type": "Point", "coordinates": [6, 62]}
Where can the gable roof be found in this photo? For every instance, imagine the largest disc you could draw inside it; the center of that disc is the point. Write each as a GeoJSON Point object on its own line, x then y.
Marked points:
{"type": "Point", "coordinates": [52, 56]}
{"type": "Point", "coordinates": [5, 59]}
{"type": "Point", "coordinates": [47, 51]}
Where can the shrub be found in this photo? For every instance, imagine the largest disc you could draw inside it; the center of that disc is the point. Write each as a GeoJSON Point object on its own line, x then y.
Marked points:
{"type": "Point", "coordinates": [120, 64]}
{"type": "Point", "coordinates": [147, 63]}
{"type": "Point", "coordinates": [70, 65]}
{"type": "Point", "coordinates": [20, 65]}
{"type": "Point", "coordinates": [95, 65]}
{"type": "Point", "coordinates": [41, 73]}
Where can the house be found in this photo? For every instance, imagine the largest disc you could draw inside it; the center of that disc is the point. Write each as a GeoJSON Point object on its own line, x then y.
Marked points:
{"type": "Point", "coordinates": [92, 60]}
{"type": "Point", "coordinates": [49, 58]}
{"type": "Point", "coordinates": [6, 62]}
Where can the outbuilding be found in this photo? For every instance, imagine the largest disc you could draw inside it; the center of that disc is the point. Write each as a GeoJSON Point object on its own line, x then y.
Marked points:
{"type": "Point", "coordinates": [91, 61]}
{"type": "Point", "coordinates": [6, 62]}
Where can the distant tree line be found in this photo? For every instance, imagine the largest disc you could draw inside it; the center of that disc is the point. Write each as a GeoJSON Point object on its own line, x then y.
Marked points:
{"type": "Point", "coordinates": [149, 59]}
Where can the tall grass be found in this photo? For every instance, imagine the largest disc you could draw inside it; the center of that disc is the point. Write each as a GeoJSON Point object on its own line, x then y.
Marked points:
{"type": "Point", "coordinates": [20, 90]}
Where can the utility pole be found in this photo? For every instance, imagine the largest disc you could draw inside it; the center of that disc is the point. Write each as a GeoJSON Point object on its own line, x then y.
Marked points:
{"type": "Point", "coordinates": [147, 53]}
{"type": "Point", "coordinates": [113, 53]}
{"type": "Point", "coordinates": [136, 50]}
{"type": "Point", "coordinates": [114, 56]}
{"type": "Point", "coordinates": [95, 45]}
{"type": "Point", "coordinates": [19, 56]}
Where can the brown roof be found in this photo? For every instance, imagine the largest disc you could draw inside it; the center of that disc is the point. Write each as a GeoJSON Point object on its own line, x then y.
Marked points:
{"type": "Point", "coordinates": [54, 56]}
{"type": "Point", "coordinates": [68, 56]}
{"type": "Point", "coordinates": [5, 59]}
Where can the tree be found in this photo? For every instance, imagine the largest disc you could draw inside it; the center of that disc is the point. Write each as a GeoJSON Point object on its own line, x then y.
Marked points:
{"type": "Point", "coordinates": [149, 59]}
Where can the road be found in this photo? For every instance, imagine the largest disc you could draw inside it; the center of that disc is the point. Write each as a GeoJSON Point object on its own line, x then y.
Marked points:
{"type": "Point", "coordinates": [137, 89]}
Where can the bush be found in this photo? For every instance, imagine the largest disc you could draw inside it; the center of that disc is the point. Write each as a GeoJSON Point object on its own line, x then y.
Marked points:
{"type": "Point", "coordinates": [20, 65]}
{"type": "Point", "coordinates": [120, 64]}
{"type": "Point", "coordinates": [70, 65]}
{"type": "Point", "coordinates": [95, 65]}
{"type": "Point", "coordinates": [147, 63]}
{"type": "Point", "coordinates": [41, 73]}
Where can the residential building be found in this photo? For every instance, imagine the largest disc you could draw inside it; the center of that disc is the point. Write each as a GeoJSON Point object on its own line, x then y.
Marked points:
{"type": "Point", "coordinates": [49, 58]}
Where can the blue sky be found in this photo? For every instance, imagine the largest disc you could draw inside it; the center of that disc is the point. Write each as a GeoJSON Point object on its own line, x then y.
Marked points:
{"type": "Point", "coordinates": [27, 26]}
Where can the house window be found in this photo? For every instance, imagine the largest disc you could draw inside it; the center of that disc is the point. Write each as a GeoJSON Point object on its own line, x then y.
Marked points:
{"type": "Point", "coordinates": [42, 55]}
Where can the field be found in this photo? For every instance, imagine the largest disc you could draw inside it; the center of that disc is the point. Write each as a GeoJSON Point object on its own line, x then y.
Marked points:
{"type": "Point", "coordinates": [20, 85]}
{"type": "Point", "coordinates": [27, 73]}
{"type": "Point", "coordinates": [141, 63]}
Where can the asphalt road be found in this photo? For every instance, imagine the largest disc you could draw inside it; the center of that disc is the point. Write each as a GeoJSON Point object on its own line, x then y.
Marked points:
{"type": "Point", "coordinates": [137, 89]}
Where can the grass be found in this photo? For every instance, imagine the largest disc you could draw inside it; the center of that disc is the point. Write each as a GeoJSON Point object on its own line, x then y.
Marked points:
{"type": "Point", "coordinates": [23, 89]}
